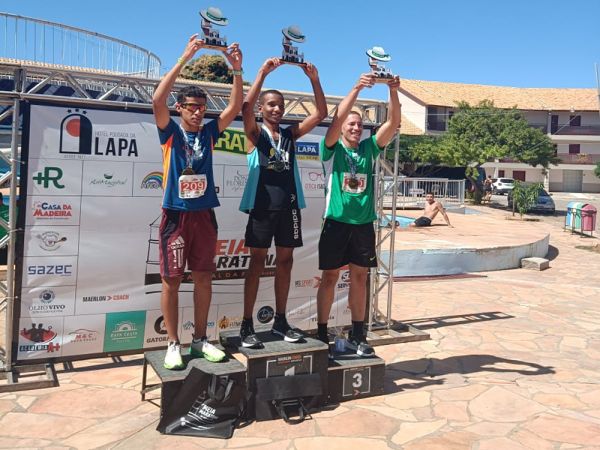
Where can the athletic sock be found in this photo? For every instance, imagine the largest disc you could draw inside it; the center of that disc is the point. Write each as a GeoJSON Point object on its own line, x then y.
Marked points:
{"type": "Point", "coordinates": [358, 328]}
{"type": "Point", "coordinates": [322, 331]}
{"type": "Point", "coordinates": [279, 317]}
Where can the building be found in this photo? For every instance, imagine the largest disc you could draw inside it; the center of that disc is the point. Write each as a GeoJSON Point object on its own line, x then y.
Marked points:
{"type": "Point", "coordinates": [569, 116]}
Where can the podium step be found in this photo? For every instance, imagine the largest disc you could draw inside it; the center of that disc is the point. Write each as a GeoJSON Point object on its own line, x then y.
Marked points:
{"type": "Point", "coordinates": [351, 376]}
{"type": "Point", "coordinates": [172, 380]}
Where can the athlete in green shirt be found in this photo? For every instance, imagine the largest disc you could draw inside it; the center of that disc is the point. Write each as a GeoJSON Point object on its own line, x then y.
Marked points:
{"type": "Point", "coordinates": [347, 235]}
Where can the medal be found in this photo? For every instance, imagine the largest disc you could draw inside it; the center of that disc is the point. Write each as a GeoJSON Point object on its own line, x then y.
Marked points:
{"type": "Point", "coordinates": [188, 171]}
{"type": "Point", "coordinates": [278, 166]}
{"type": "Point", "coordinates": [353, 183]}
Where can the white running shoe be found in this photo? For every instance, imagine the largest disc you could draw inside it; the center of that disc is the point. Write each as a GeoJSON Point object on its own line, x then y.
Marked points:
{"type": "Point", "coordinates": [173, 360]}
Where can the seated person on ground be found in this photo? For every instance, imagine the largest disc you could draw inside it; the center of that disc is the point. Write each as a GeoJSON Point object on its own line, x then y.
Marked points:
{"type": "Point", "coordinates": [432, 207]}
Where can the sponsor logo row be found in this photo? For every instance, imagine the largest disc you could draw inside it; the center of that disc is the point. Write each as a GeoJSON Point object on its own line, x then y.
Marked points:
{"type": "Point", "coordinates": [47, 337]}
{"type": "Point", "coordinates": [88, 178]}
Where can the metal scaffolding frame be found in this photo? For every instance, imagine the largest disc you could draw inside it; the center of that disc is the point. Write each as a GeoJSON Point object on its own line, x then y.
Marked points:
{"type": "Point", "coordinates": [31, 81]}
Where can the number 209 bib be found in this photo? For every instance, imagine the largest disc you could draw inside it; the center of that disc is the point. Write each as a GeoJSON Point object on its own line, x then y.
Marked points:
{"type": "Point", "coordinates": [192, 186]}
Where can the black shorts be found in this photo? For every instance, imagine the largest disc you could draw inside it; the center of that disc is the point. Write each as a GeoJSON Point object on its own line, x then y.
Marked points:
{"type": "Point", "coordinates": [284, 225]}
{"type": "Point", "coordinates": [343, 243]}
{"type": "Point", "coordinates": [423, 222]}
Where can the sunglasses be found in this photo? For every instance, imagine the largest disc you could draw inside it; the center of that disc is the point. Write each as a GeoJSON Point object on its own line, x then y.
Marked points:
{"type": "Point", "coordinates": [193, 107]}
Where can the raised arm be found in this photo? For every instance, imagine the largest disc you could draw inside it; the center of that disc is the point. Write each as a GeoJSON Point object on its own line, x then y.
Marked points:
{"type": "Point", "coordinates": [388, 128]}
{"type": "Point", "coordinates": [321, 112]}
{"type": "Point", "coordinates": [233, 54]}
{"type": "Point", "coordinates": [164, 88]}
{"type": "Point", "coordinates": [344, 108]}
{"type": "Point", "coordinates": [251, 128]}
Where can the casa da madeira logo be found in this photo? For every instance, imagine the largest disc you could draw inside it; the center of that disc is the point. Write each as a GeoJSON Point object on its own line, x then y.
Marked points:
{"type": "Point", "coordinates": [80, 138]}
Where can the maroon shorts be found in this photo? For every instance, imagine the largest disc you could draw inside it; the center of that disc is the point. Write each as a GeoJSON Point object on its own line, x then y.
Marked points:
{"type": "Point", "coordinates": [187, 237]}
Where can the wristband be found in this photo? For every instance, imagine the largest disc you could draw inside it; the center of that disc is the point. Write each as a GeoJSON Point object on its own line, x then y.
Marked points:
{"type": "Point", "coordinates": [237, 72]}
{"type": "Point", "coordinates": [181, 61]}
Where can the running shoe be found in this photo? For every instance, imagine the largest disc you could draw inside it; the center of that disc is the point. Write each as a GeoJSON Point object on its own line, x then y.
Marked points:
{"type": "Point", "coordinates": [201, 348]}
{"type": "Point", "coordinates": [359, 345]}
{"type": "Point", "coordinates": [248, 336]}
{"type": "Point", "coordinates": [173, 360]}
{"type": "Point", "coordinates": [282, 328]}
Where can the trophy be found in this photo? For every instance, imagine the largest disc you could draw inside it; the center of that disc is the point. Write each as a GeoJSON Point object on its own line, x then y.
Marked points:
{"type": "Point", "coordinates": [211, 36]}
{"type": "Point", "coordinates": [378, 56]}
{"type": "Point", "coordinates": [290, 52]}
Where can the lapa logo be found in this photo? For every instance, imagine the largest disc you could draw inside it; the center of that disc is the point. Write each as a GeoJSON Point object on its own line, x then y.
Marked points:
{"type": "Point", "coordinates": [75, 133]}
{"type": "Point", "coordinates": [265, 314]}
{"type": "Point", "coordinates": [153, 180]}
{"type": "Point", "coordinates": [79, 139]}
{"type": "Point", "coordinates": [50, 240]}
{"type": "Point", "coordinates": [108, 180]}
{"type": "Point", "coordinates": [49, 210]}
{"type": "Point", "coordinates": [49, 177]}
{"type": "Point", "coordinates": [307, 150]}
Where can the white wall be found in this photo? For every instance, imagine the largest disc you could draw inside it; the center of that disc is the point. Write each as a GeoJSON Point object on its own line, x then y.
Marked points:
{"type": "Point", "coordinates": [413, 111]}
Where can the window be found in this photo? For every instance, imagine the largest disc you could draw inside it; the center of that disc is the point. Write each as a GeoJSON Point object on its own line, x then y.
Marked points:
{"type": "Point", "coordinates": [501, 173]}
{"type": "Point", "coordinates": [555, 149]}
{"type": "Point", "coordinates": [519, 175]}
{"type": "Point", "coordinates": [435, 119]}
{"type": "Point", "coordinates": [575, 121]}
{"type": "Point", "coordinates": [574, 149]}
{"type": "Point", "coordinates": [553, 123]}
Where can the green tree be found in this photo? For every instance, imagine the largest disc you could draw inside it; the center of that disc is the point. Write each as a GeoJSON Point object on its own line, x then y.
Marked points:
{"type": "Point", "coordinates": [597, 170]}
{"type": "Point", "coordinates": [406, 155]}
{"type": "Point", "coordinates": [524, 196]}
{"type": "Point", "coordinates": [482, 133]}
{"type": "Point", "coordinates": [208, 68]}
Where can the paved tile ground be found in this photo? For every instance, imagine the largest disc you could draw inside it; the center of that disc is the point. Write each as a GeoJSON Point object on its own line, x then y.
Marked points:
{"type": "Point", "coordinates": [529, 379]}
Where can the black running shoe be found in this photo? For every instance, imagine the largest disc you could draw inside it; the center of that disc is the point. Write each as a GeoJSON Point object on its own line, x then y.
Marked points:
{"type": "Point", "coordinates": [282, 328]}
{"type": "Point", "coordinates": [360, 346]}
{"type": "Point", "coordinates": [248, 336]}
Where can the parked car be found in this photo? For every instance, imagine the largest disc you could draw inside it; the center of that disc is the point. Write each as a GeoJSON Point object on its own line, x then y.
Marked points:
{"type": "Point", "coordinates": [544, 203]}
{"type": "Point", "coordinates": [503, 185]}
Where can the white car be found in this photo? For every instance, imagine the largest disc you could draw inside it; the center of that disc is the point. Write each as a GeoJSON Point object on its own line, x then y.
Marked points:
{"type": "Point", "coordinates": [503, 185]}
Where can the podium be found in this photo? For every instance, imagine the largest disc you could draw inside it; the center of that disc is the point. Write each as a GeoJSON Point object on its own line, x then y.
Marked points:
{"type": "Point", "coordinates": [351, 376]}
{"type": "Point", "coordinates": [280, 369]}
{"type": "Point", "coordinates": [172, 380]}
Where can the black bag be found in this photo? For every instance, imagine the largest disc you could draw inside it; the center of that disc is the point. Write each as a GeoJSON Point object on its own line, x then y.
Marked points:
{"type": "Point", "coordinates": [288, 396]}
{"type": "Point", "coordinates": [206, 405]}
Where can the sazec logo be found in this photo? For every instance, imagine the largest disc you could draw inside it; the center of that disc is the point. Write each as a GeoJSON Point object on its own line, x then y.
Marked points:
{"type": "Point", "coordinates": [265, 314]}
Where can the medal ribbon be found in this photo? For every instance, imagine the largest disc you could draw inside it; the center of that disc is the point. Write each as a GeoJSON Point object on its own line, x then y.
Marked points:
{"type": "Point", "coordinates": [279, 153]}
{"type": "Point", "coordinates": [350, 160]}
{"type": "Point", "coordinates": [190, 151]}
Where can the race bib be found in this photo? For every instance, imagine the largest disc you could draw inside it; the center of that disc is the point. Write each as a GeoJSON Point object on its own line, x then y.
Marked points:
{"type": "Point", "coordinates": [192, 186]}
{"type": "Point", "coordinates": [355, 185]}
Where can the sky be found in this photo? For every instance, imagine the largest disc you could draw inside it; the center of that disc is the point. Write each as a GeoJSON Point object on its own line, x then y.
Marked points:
{"type": "Point", "coordinates": [524, 43]}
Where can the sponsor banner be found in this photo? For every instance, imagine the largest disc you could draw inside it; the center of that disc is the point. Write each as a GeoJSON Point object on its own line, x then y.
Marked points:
{"type": "Point", "coordinates": [124, 331]}
{"type": "Point", "coordinates": [49, 271]}
{"type": "Point", "coordinates": [229, 317]}
{"type": "Point", "coordinates": [186, 323]}
{"type": "Point", "coordinates": [313, 182]}
{"type": "Point", "coordinates": [148, 180]}
{"type": "Point", "coordinates": [307, 151]}
{"type": "Point", "coordinates": [235, 181]}
{"type": "Point", "coordinates": [299, 312]}
{"type": "Point", "coordinates": [91, 134]}
{"type": "Point", "coordinates": [107, 179]}
{"type": "Point", "coordinates": [114, 159]}
{"type": "Point", "coordinates": [40, 338]}
{"type": "Point", "coordinates": [264, 312]}
{"type": "Point", "coordinates": [48, 301]}
{"type": "Point", "coordinates": [83, 334]}
{"type": "Point", "coordinates": [54, 177]}
{"type": "Point", "coordinates": [155, 331]}
{"type": "Point", "coordinates": [51, 241]}
{"type": "Point", "coordinates": [42, 210]}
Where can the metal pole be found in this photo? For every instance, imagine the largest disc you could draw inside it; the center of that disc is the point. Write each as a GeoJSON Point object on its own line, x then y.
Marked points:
{"type": "Point", "coordinates": [598, 84]}
{"type": "Point", "coordinates": [12, 221]}
{"type": "Point", "coordinates": [393, 232]}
